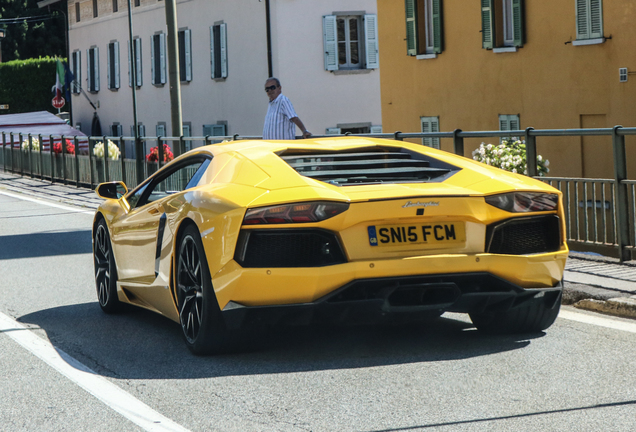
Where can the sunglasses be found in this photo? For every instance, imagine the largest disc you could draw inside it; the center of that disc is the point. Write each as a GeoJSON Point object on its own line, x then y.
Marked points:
{"type": "Point", "coordinates": [270, 88]}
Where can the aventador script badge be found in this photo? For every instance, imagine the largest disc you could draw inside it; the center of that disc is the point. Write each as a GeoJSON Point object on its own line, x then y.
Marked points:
{"type": "Point", "coordinates": [421, 204]}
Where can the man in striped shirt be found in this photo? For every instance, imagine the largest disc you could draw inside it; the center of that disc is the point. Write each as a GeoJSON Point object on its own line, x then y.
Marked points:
{"type": "Point", "coordinates": [281, 119]}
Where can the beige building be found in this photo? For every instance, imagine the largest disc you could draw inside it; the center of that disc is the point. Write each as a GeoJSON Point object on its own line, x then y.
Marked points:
{"type": "Point", "coordinates": [493, 64]}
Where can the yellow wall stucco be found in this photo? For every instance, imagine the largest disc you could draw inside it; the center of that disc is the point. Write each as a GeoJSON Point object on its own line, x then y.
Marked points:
{"type": "Point", "coordinates": [549, 82]}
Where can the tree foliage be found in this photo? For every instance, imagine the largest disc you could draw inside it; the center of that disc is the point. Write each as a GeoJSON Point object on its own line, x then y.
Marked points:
{"type": "Point", "coordinates": [26, 85]}
{"type": "Point", "coordinates": [32, 32]}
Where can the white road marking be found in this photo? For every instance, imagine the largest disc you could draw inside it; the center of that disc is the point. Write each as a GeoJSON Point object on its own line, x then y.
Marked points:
{"type": "Point", "coordinates": [598, 321]}
{"type": "Point", "coordinates": [47, 203]}
{"type": "Point", "coordinates": [110, 394]}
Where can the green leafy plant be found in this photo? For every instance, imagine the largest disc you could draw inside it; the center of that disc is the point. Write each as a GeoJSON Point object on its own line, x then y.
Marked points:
{"type": "Point", "coordinates": [510, 156]}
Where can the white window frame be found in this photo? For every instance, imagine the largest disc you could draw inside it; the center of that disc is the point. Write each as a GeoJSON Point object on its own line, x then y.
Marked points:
{"type": "Point", "coordinates": [368, 55]}
{"type": "Point", "coordinates": [221, 46]}
{"type": "Point", "coordinates": [430, 124]}
{"type": "Point", "coordinates": [92, 76]}
{"type": "Point", "coordinates": [112, 62]}
{"type": "Point", "coordinates": [76, 69]}
{"type": "Point", "coordinates": [139, 80]}
{"type": "Point", "coordinates": [185, 57]}
{"type": "Point", "coordinates": [158, 77]}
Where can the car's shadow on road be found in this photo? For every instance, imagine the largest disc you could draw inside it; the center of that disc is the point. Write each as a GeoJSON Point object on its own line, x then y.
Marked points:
{"type": "Point", "coordinates": [139, 344]}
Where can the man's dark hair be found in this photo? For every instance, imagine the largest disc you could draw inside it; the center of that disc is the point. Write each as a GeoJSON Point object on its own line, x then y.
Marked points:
{"type": "Point", "coordinates": [275, 80]}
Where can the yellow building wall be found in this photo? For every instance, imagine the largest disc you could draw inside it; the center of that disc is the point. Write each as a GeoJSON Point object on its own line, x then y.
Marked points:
{"type": "Point", "coordinates": [549, 83]}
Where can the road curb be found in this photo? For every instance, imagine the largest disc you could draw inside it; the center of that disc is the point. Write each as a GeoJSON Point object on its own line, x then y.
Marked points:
{"type": "Point", "coordinates": [620, 306]}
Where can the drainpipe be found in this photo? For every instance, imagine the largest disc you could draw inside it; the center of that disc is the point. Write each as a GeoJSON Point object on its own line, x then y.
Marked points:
{"type": "Point", "coordinates": [268, 23]}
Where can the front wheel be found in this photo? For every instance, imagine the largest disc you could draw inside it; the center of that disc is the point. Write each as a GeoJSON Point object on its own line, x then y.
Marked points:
{"type": "Point", "coordinates": [535, 316]}
{"type": "Point", "coordinates": [105, 270]}
{"type": "Point", "coordinates": [202, 325]}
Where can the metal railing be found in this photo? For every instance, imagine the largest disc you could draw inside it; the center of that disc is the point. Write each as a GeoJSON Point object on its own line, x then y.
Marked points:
{"type": "Point", "coordinates": [600, 213]}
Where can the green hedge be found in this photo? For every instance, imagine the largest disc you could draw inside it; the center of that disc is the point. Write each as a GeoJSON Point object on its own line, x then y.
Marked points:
{"type": "Point", "coordinates": [26, 85]}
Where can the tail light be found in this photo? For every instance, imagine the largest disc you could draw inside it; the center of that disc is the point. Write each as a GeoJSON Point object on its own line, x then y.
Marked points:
{"type": "Point", "coordinates": [294, 213]}
{"type": "Point", "coordinates": [522, 202]}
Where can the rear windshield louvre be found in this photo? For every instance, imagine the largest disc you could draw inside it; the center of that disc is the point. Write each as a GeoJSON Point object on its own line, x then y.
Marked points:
{"type": "Point", "coordinates": [369, 166]}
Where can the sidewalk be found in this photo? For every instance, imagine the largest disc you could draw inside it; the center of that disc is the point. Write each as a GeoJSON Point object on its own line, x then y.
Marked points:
{"type": "Point", "coordinates": [592, 282]}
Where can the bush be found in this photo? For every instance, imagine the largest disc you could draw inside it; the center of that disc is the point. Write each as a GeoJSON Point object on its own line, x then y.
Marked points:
{"type": "Point", "coordinates": [510, 156]}
{"type": "Point", "coordinates": [26, 85]}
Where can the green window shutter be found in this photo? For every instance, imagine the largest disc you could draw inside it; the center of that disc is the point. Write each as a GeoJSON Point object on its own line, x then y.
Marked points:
{"type": "Point", "coordinates": [330, 42]}
{"type": "Point", "coordinates": [487, 24]}
{"type": "Point", "coordinates": [438, 33]}
{"type": "Point", "coordinates": [371, 41]}
{"type": "Point", "coordinates": [430, 124]}
{"type": "Point", "coordinates": [517, 22]}
{"type": "Point", "coordinates": [596, 18]}
{"type": "Point", "coordinates": [582, 21]}
{"type": "Point", "coordinates": [411, 28]}
{"type": "Point", "coordinates": [223, 33]}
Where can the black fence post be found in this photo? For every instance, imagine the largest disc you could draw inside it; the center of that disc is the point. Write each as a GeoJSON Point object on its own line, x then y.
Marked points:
{"type": "Point", "coordinates": [77, 150]}
{"type": "Point", "coordinates": [531, 153]}
{"type": "Point", "coordinates": [122, 157]}
{"type": "Point", "coordinates": [458, 143]}
{"type": "Point", "coordinates": [396, 136]}
{"type": "Point", "coordinates": [620, 174]}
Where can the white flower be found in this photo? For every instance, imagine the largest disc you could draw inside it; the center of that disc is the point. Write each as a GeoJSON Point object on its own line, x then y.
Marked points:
{"type": "Point", "coordinates": [113, 150]}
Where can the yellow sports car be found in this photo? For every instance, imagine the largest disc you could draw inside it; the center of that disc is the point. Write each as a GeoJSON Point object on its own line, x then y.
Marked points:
{"type": "Point", "coordinates": [346, 229]}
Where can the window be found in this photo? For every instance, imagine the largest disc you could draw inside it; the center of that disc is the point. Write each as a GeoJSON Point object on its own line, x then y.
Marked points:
{"type": "Point", "coordinates": [137, 56]}
{"type": "Point", "coordinates": [502, 24]}
{"type": "Point", "coordinates": [137, 3]}
{"type": "Point", "coordinates": [76, 69]}
{"type": "Point", "coordinates": [185, 55]}
{"type": "Point", "coordinates": [112, 61]}
{"type": "Point", "coordinates": [116, 130]}
{"type": "Point", "coordinates": [350, 42]}
{"type": "Point", "coordinates": [508, 122]}
{"type": "Point", "coordinates": [430, 124]}
{"type": "Point", "coordinates": [158, 58]}
{"type": "Point", "coordinates": [185, 132]}
{"type": "Point", "coordinates": [161, 129]}
{"type": "Point", "coordinates": [77, 12]}
{"type": "Point", "coordinates": [92, 79]}
{"type": "Point", "coordinates": [95, 9]}
{"type": "Point", "coordinates": [183, 176]}
{"type": "Point", "coordinates": [589, 19]}
{"type": "Point", "coordinates": [140, 127]}
{"type": "Point", "coordinates": [115, 6]}
{"type": "Point", "coordinates": [215, 130]}
{"type": "Point", "coordinates": [218, 50]}
{"type": "Point", "coordinates": [424, 32]}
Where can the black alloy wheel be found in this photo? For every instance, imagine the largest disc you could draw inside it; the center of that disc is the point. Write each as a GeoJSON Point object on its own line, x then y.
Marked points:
{"type": "Point", "coordinates": [105, 270]}
{"type": "Point", "coordinates": [201, 322]}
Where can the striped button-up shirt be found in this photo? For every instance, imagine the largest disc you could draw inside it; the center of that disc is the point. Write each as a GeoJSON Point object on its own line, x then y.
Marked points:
{"type": "Point", "coordinates": [278, 125]}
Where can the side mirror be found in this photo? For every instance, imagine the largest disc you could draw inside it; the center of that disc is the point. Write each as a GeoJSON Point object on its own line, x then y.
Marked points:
{"type": "Point", "coordinates": [111, 190]}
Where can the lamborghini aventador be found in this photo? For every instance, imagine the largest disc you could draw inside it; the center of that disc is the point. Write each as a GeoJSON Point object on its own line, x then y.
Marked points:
{"type": "Point", "coordinates": [235, 235]}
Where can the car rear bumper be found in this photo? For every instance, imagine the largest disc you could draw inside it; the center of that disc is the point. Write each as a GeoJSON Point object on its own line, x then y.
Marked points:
{"type": "Point", "coordinates": [365, 301]}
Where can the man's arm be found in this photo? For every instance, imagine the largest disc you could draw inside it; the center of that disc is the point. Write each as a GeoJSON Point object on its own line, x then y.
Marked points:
{"type": "Point", "coordinates": [301, 126]}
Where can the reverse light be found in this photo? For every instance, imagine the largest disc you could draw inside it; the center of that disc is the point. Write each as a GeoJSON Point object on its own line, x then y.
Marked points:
{"type": "Point", "coordinates": [522, 202]}
{"type": "Point", "coordinates": [294, 213]}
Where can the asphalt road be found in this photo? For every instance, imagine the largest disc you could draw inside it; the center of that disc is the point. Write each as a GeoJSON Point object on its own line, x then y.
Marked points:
{"type": "Point", "coordinates": [66, 366]}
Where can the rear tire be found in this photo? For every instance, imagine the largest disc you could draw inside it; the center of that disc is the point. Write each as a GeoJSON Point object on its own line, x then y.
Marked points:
{"type": "Point", "coordinates": [105, 270]}
{"type": "Point", "coordinates": [533, 317]}
{"type": "Point", "coordinates": [202, 325]}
